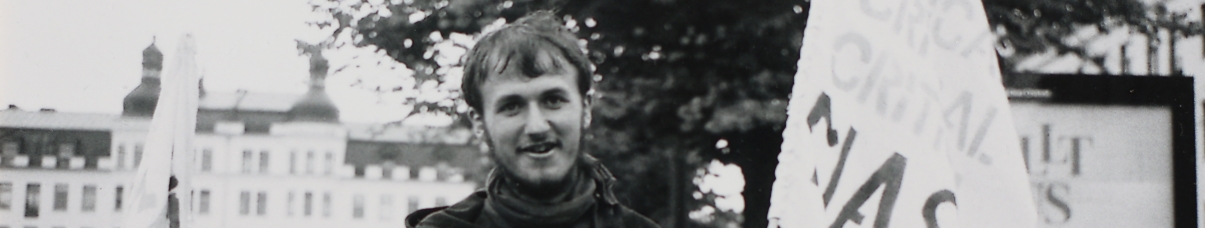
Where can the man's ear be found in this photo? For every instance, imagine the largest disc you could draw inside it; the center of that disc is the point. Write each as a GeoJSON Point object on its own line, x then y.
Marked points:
{"type": "Point", "coordinates": [587, 115]}
{"type": "Point", "coordinates": [478, 124]}
{"type": "Point", "coordinates": [479, 130]}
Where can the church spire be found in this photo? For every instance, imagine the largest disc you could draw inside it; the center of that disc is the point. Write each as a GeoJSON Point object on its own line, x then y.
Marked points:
{"type": "Point", "coordinates": [142, 100]}
{"type": "Point", "coordinates": [315, 105]}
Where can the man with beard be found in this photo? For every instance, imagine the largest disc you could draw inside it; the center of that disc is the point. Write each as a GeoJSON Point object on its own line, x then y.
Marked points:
{"type": "Point", "coordinates": [527, 83]}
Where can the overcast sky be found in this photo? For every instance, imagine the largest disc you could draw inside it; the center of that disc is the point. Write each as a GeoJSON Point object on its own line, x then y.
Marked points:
{"type": "Point", "coordinates": [85, 56]}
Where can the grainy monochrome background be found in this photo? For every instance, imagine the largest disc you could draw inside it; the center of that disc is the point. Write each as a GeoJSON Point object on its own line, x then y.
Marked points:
{"type": "Point", "coordinates": [348, 113]}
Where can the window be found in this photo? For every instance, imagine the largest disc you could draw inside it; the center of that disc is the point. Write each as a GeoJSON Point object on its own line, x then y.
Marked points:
{"type": "Point", "coordinates": [290, 204]}
{"type": "Point", "coordinates": [357, 208]}
{"type": "Point", "coordinates": [203, 202]}
{"type": "Point", "coordinates": [330, 162]}
{"type": "Point", "coordinates": [309, 162]}
{"type": "Point", "coordinates": [7, 152]}
{"type": "Point", "coordinates": [387, 170]}
{"type": "Point", "coordinates": [247, 156]}
{"type": "Point", "coordinates": [292, 162]}
{"type": "Point", "coordinates": [89, 199]}
{"type": "Point", "coordinates": [33, 193]}
{"type": "Point", "coordinates": [137, 154]}
{"type": "Point", "coordinates": [6, 196]}
{"type": "Point", "coordinates": [414, 173]}
{"type": "Point", "coordinates": [60, 197]}
{"type": "Point", "coordinates": [440, 201]}
{"type": "Point", "coordinates": [263, 162]}
{"type": "Point", "coordinates": [359, 171]}
{"type": "Point", "coordinates": [66, 150]}
{"type": "Point", "coordinates": [121, 156]}
{"type": "Point", "coordinates": [261, 206]}
{"type": "Point", "coordinates": [326, 204]}
{"type": "Point", "coordinates": [386, 206]}
{"type": "Point", "coordinates": [412, 204]}
{"type": "Point", "coordinates": [10, 148]}
{"type": "Point", "coordinates": [207, 160]}
{"type": "Point", "coordinates": [244, 200]}
{"type": "Point", "coordinates": [309, 203]}
{"type": "Point", "coordinates": [117, 198]}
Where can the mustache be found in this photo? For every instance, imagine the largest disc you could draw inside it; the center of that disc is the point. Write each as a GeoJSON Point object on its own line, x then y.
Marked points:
{"type": "Point", "coordinates": [540, 145]}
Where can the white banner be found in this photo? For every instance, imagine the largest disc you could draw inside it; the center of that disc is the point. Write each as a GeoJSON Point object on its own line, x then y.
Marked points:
{"type": "Point", "coordinates": [898, 119]}
{"type": "Point", "coordinates": [168, 144]}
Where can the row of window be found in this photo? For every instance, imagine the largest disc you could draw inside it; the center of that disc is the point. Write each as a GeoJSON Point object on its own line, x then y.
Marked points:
{"type": "Point", "coordinates": [62, 158]}
{"type": "Point", "coordinates": [249, 161]}
{"type": "Point", "coordinates": [256, 204]}
{"type": "Point", "coordinates": [64, 149]}
{"type": "Point", "coordinates": [249, 164]}
{"type": "Point", "coordinates": [121, 156]}
{"type": "Point", "coordinates": [33, 192]}
{"type": "Point", "coordinates": [249, 203]}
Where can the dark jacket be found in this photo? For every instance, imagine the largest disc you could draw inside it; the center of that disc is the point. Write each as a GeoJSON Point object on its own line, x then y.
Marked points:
{"type": "Point", "coordinates": [607, 212]}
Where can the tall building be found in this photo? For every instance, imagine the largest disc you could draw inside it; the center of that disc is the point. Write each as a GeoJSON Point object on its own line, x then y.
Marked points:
{"type": "Point", "coordinates": [260, 160]}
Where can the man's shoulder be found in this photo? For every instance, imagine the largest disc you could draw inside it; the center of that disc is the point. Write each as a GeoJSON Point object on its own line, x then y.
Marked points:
{"type": "Point", "coordinates": [461, 214]}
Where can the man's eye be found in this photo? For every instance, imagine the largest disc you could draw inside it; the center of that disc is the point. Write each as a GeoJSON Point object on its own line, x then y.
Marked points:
{"type": "Point", "coordinates": [509, 108]}
{"type": "Point", "coordinates": [554, 102]}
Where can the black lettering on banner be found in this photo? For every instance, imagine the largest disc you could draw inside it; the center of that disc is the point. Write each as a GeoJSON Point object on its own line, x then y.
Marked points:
{"type": "Point", "coordinates": [963, 101]}
{"type": "Point", "coordinates": [823, 109]}
{"type": "Point", "coordinates": [864, 49]}
{"type": "Point", "coordinates": [950, 44]}
{"type": "Point", "coordinates": [930, 209]}
{"type": "Point", "coordinates": [890, 175]}
{"type": "Point", "coordinates": [872, 77]}
{"type": "Point", "coordinates": [881, 15]}
{"type": "Point", "coordinates": [979, 134]}
{"type": "Point", "coordinates": [832, 182]}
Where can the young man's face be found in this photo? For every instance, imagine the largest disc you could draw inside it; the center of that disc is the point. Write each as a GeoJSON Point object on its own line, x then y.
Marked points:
{"type": "Point", "coordinates": [534, 124]}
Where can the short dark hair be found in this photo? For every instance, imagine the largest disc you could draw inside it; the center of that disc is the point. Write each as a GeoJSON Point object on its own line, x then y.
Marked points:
{"type": "Point", "coordinates": [519, 44]}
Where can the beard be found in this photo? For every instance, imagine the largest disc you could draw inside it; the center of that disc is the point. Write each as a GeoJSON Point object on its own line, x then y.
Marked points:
{"type": "Point", "coordinates": [539, 189]}
{"type": "Point", "coordinates": [539, 186]}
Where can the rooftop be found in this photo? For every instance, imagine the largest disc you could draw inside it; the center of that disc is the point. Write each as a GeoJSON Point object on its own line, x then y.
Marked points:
{"type": "Point", "coordinates": [245, 101]}
{"type": "Point", "coordinates": [407, 134]}
{"type": "Point", "coordinates": [387, 133]}
{"type": "Point", "coordinates": [62, 120]}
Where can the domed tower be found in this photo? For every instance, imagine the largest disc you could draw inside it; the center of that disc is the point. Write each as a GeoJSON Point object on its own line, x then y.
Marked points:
{"type": "Point", "coordinates": [316, 106]}
{"type": "Point", "coordinates": [141, 101]}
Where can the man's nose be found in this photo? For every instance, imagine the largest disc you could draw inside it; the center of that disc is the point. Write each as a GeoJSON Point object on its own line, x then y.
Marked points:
{"type": "Point", "coordinates": [537, 127]}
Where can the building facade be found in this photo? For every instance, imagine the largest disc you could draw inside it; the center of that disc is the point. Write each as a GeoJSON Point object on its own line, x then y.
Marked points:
{"type": "Point", "coordinates": [261, 160]}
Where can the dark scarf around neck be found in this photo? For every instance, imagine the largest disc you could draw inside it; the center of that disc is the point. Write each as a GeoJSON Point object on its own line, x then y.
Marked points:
{"type": "Point", "coordinates": [506, 207]}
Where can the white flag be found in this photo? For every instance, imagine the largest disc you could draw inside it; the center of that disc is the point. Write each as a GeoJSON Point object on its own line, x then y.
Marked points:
{"type": "Point", "coordinates": [168, 143]}
{"type": "Point", "coordinates": [898, 119]}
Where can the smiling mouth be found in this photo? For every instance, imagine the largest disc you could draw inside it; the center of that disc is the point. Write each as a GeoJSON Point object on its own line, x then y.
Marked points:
{"type": "Point", "coordinates": [543, 149]}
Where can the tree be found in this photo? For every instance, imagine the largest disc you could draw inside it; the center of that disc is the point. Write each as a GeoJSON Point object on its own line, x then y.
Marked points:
{"type": "Point", "coordinates": [1030, 27]}
{"type": "Point", "coordinates": [674, 77]}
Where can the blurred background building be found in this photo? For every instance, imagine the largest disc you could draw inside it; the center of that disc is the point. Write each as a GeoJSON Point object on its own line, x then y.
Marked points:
{"type": "Point", "coordinates": [262, 160]}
